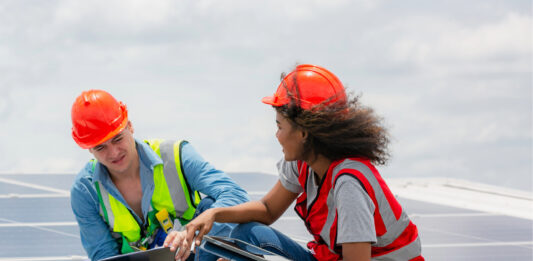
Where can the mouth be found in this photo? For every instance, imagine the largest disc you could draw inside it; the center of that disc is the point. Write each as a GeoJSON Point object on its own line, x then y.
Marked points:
{"type": "Point", "coordinates": [118, 160]}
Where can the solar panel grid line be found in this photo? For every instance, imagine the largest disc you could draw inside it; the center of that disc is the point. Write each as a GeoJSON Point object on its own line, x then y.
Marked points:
{"type": "Point", "coordinates": [485, 244]}
{"type": "Point", "coordinates": [34, 186]}
{"type": "Point", "coordinates": [423, 228]}
{"type": "Point", "coordinates": [48, 258]}
{"type": "Point", "coordinates": [417, 215]}
{"type": "Point", "coordinates": [42, 228]}
{"type": "Point", "coordinates": [38, 224]}
{"type": "Point", "coordinates": [10, 173]}
{"type": "Point", "coordinates": [52, 195]}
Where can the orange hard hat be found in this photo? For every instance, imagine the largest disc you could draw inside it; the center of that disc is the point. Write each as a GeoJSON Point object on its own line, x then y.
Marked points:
{"type": "Point", "coordinates": [96, 117]}
{"type": "Point", "coordinates": [315, 84]}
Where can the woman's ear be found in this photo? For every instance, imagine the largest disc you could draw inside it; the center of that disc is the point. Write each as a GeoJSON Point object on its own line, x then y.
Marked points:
{"type": "Point", "coordinates": [304, 136]}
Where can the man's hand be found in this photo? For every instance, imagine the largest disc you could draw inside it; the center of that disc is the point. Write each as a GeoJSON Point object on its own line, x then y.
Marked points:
{"type": "Point", "coordinates": [178, 240]}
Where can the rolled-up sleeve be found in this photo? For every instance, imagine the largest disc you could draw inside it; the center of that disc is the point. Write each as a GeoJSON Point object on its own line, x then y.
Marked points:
{"type": "Point", "coordinates": [288, 175]}
{"type": "Point", "coordinates": [94, 232]}
{"type": "Point", "coordinates": [210, 181]}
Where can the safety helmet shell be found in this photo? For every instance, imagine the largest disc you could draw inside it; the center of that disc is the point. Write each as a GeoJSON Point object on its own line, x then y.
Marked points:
{"type": "Point", "coordinates": [97, 117]}
{"type": "Point", "coordinates": [309, 85]}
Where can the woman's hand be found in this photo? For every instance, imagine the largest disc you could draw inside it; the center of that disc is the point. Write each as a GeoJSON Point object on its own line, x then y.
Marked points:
{"type": "Point", "coordinates": [202, 223]}
{"type": "Point", "coordinates": [178, 240]}
{"type": "Point", "coordinates": [182, 240]}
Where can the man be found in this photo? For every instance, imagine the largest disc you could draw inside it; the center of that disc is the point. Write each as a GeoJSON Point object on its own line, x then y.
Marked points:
{"type": "Point", "coordinates": [128, 197]}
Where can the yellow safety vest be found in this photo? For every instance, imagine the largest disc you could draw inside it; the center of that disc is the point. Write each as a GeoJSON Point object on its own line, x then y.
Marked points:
{"type": "Point", "coordinates": [171, 192]}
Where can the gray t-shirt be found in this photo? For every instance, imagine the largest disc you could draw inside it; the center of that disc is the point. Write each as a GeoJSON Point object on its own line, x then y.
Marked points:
{"type": "Point", "coordinates": [354, 207]}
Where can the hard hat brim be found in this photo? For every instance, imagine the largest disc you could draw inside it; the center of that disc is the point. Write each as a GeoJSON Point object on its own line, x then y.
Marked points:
{"type": "Point", "coordinates": [273, 100]}
{"type": "Point", "coordinates": [268, 100]}
{"type": "Point", "coordinates": [112, 134]}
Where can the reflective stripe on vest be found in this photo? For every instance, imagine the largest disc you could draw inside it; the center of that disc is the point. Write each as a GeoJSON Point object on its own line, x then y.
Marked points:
{"type": "Point", "coordinates": [171, 192]}
{"type": "Point", "coordinates": [117, 216]}
{"type": "Point", "coordinates": [183, 203]}
{"type": "Point", "coordinates": [397, 236]}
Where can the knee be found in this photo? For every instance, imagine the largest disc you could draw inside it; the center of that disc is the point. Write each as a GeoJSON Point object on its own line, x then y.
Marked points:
{"type": "Point", "coordinates": [244, 230]}
{"type": "Point", "coordinates": [252, 232]}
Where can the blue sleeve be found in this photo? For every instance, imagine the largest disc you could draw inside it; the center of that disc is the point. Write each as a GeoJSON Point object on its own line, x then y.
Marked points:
{"type": "Point", "coordinates": [207, 180]}
{"type": "Point", "coordinates": [94, 232]}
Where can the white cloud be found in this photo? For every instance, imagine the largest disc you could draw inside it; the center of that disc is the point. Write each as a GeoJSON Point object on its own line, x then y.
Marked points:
{"type": "Point", "coordinates": [130, 16]}
{"type": "Point", "coordinates": [455, 88]}
{"type": "Point", "coordinates": [448, 44]}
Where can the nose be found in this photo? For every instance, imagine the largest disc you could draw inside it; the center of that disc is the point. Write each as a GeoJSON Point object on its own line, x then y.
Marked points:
{"type": "Point", "coordinates": [113, 151]}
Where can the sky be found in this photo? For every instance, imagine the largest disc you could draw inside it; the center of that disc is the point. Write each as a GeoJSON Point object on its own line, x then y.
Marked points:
{"type": "Point", "coordinates": [451, 79]}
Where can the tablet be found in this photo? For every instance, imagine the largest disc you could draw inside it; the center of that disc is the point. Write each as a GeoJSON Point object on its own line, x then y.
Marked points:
{"type": "Point", "coordinates": [155, 254]}
{"type": "Point", "coordinates": [234, 249]}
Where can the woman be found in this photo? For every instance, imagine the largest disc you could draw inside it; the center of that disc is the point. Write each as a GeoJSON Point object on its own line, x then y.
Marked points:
{"type": "Point", "coordinates": [330, 144]}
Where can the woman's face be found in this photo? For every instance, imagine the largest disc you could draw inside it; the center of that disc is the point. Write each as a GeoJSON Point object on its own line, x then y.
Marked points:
{"type": "Point", "coordinates": [290, 138]}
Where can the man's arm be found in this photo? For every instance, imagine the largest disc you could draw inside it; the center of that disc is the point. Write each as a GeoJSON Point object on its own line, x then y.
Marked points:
{"type": "Point", "coordinates": [210, 181]}
{"type": "Point", "coordinates": [94, 232]}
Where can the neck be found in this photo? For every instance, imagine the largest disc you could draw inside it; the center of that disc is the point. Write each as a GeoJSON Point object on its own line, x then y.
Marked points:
{"type": "Point", "coordinates": [320, 165]}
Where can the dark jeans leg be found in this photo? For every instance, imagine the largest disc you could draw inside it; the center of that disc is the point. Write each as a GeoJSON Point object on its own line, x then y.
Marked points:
{"type": "Point", "coordinates": [272, 240]}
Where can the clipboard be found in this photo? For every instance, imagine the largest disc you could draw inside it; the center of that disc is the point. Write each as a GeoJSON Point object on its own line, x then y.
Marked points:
{"type": "Point", "coordinates": [236, 250]}
{"type": "Point", "coordinates": [155, 254]}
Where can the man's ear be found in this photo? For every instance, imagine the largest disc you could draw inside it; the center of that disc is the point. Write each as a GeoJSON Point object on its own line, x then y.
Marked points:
{"type": "Point", "coordinates": [130, 127]}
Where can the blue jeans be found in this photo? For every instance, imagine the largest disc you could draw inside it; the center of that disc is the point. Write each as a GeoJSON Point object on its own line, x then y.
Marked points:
{"type": "Point", "coordinates": [218, 229]}
{"type": "Point", "coordinates": [272, 240]}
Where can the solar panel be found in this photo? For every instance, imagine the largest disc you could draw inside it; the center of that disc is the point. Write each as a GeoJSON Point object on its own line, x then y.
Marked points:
{"type": "Point", "coordinates": [36, 223]}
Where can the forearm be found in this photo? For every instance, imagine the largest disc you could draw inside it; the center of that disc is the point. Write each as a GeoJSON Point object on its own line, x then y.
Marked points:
{"type": "Point", "coordinates": [265, 211]}
{"type": "Point", "coordinates": [243, 213]}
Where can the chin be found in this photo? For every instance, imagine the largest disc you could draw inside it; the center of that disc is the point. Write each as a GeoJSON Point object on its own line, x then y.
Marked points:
{"type": "Point", "coordinates": [288, 158]}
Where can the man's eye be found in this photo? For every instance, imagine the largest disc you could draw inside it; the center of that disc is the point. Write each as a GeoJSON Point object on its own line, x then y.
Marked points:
{"type": "Point", "coordinates": [98, 148]}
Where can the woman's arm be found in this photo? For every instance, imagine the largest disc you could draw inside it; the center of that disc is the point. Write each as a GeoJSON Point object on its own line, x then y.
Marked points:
{"type": "Point", "coordinates": [359, 251]}
{"type": "Point", "coordinates": [265, 211]}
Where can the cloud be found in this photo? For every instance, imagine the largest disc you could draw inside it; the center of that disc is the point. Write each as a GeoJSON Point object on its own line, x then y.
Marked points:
{"type": "Point", "coordinates": [453, 81]}
{"type": "Point", "coordinates": [504, 43]}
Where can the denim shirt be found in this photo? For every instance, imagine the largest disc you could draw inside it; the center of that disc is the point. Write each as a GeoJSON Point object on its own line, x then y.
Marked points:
{"type": "Point", "coordinates": [95, 234]}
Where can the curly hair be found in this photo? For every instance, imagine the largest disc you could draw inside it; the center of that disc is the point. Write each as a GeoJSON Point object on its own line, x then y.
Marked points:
{"type": "Point", "coordinates": [339, 130]}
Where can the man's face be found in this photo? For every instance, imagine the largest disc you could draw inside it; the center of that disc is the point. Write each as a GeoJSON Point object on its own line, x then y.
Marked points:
{"type": "Point", "coordinates": [118, 153]}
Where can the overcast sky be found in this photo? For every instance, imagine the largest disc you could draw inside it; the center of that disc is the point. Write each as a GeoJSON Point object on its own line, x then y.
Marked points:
{"type": "Point", "coordinates": [452, 79]}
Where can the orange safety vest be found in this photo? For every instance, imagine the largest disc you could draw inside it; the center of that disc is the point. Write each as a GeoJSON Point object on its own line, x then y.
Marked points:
{"type": "Point", "coordinates": [397, 236]}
